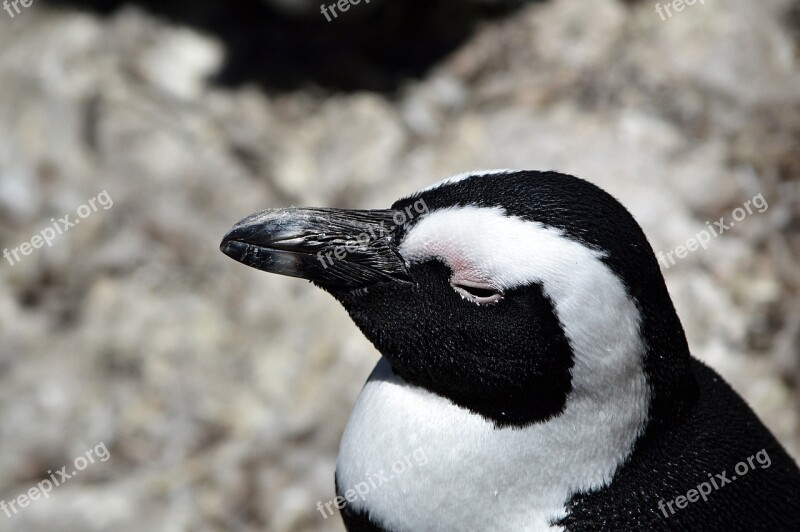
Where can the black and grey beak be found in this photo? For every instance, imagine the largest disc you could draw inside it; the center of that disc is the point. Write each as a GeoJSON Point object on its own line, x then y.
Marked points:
{"type": "Point", "coordinates": [332, 247]}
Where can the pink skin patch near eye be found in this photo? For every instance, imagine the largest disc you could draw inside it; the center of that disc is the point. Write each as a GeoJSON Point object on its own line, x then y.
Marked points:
{"type": "Point", "coordinates": [467, 279]}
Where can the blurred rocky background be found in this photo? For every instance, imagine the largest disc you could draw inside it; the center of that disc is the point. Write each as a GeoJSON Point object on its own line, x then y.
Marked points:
{"type": "Point", "coordinates": [221, 392]}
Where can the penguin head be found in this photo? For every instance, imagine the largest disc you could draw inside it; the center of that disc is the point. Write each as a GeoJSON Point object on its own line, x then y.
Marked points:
{"type": "Point", "coordinates": [508, 292]}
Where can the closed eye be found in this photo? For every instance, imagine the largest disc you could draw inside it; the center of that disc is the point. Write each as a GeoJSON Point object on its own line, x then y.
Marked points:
{"type": "Point", "coordinates": [480, 294]}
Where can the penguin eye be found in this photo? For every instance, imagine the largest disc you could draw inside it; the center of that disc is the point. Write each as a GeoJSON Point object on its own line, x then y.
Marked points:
{"type": "Point", "coordinates": [480, 294]}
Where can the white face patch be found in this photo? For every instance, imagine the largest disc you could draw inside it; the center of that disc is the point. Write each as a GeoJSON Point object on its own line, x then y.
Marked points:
{"type": "Point", "coordinates": [478, 477]}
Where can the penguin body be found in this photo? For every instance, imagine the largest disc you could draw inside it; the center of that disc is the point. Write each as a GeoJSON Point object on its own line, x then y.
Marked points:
{"type": "Point", "coordinates": [531, 352]}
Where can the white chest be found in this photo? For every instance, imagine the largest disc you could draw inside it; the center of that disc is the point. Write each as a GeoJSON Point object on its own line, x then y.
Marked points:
{"type": "Point", "coordinates": [422, 463]}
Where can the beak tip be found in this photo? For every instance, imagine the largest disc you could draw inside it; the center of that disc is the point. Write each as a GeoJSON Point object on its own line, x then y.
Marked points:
{"type": "Point", "coordinates": [225, 243]}
{"type": "Point", "coordinates": [233, 247]}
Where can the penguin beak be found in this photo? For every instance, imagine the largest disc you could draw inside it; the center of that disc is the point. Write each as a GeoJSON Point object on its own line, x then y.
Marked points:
{"type": "Point", "coordinates": [335, 248]}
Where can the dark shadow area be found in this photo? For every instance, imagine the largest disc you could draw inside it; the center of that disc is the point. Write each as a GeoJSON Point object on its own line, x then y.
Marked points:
{"type": "Point", "coordinates": [371, 47]}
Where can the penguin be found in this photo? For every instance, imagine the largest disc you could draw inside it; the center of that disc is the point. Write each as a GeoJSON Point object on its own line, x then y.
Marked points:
{"type": "Point", "coordinates": [531, 353]}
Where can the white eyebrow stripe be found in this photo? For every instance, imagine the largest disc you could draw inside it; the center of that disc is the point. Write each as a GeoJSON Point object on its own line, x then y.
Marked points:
{"type": "Point", "coordinates": [512, 251]}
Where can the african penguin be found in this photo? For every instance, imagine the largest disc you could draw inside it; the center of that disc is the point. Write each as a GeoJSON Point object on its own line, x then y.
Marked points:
{"type": "Point", "coordinates": [531, 351]}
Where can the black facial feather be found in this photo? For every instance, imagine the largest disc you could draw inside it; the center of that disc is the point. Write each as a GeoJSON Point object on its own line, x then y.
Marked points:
{"type": "Point", "coordinates": [508, 361]}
